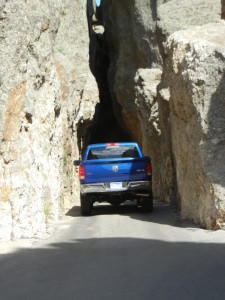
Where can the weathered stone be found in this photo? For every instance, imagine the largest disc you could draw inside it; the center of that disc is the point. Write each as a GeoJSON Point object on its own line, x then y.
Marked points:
{"type": "Point", "coordinates": [195, 73]}
{"type": "Point", "coordinates": [134, 72]}
{"type": "Point", "coordinates": [146, 108]}
{"type": "Point", "coordinates": [167, 172]}
{"type": "Point", "coordinates": [174, 16]}
{"type": "Point", "coordinates": [179, 15]}
{"type": "Point", "coordinates": [46, 91]}
{"type": "Point", "coordinates": [131, 35]}
{"type": "Point", "coordinates": [48, 99]}
{"type": "Point", "coordinates": [13, 111]}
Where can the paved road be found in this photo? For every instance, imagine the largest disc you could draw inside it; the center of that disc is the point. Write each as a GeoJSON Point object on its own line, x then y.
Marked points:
{"type": "Point", "coordinates": [118, 253]}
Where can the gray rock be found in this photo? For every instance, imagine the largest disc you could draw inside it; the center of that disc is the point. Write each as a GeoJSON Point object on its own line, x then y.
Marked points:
{"type": "Point", "coordinates": [174, 16]}
{"type": "Point", "coordinates": [134, 72]}
{"type": "Point", "coordinates": [147, 113]}
{"type": "Point", "coordinates": [164, 123]}
{"type": "Point", "coordinates": [178, 15]}
{"type": "Point", "coordinates": [46, 91]}
{"type": "Point", "coordinates": [48, 97]}
{"type": "Point", "coordinates": [195, 73]}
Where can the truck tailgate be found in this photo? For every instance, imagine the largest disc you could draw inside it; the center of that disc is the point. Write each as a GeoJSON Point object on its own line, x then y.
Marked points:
{"type": "Point", "coordinates": [119, 170]}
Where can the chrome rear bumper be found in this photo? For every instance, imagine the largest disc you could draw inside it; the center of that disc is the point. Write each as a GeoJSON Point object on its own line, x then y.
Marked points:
{"type": "Point", "coordinates": [136, 187]}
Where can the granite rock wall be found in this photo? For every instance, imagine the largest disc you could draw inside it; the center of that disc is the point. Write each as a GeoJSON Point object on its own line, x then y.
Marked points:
{"type": "Point", "coordinates": [47, 95]}
{"type": "Point", "coordinates": [167, 85]}
{"type": "Point", "coordinates": [134, 72]}
{"type": "Point", "coordinates": [156, 104]}
{"type": "Point", "coordinates": [195, 73]}
{"type": "Point", "coordinates": [175, 16]}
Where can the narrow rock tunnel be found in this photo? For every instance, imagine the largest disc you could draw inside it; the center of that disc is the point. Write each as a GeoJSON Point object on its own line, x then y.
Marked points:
{"type": "Point", "coordinates": [106, 126]}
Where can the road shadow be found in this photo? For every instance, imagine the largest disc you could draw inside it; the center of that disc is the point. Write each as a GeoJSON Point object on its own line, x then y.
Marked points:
{"type": "Point", "coordinates": [162, 214]}
{"type": "Point", "coordinates": [114, 268]}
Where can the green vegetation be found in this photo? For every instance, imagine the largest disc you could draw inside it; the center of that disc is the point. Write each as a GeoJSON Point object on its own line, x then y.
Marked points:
{"type": "Point", "coordinates": [63, 13]}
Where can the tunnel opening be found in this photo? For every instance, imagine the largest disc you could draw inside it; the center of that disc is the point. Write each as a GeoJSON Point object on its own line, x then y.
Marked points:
{"type": "Point", "coordinates": [105, 126]}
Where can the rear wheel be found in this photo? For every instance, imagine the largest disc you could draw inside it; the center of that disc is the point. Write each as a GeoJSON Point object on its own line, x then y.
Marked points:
{"type": "Point", "coordinates": [147, 203]}
{"type": "Point", "coordinates": [86, 205]}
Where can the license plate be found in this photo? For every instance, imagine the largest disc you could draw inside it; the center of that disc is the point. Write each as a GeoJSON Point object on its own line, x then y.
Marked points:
{"type": "Point", "coordinates": [116, 185]}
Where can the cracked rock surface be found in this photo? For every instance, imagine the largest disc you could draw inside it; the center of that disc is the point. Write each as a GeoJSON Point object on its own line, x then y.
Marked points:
{"type": "Point", "coordinates": [46, 92]}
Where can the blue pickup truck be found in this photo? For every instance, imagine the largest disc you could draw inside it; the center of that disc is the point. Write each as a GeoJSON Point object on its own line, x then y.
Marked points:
{"type": "Point", "coordinates": [114, 173]}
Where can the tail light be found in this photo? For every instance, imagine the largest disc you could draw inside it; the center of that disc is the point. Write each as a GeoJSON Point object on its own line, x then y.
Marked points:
{"type": "Point", "coordinates": [112, 145]}
{"type": "Point", "coordinates": [148, 168]}
{"type": "Point", "coordinates": [82, 172]}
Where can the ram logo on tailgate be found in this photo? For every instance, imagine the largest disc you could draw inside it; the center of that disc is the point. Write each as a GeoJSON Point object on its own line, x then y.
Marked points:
{"type": "Point", "coordinates": [115, 168]}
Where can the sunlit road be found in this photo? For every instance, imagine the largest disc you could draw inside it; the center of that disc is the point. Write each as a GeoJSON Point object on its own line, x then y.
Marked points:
{"type": "Point", "coordinates": [118, 253]}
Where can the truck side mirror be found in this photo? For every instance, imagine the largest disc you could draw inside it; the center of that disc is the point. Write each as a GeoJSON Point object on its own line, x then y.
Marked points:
{"type": "Point", "coordinates": [77, 163]}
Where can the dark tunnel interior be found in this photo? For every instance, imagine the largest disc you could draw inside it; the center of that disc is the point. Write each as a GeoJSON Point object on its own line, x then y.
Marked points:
{"type": "Point", "coordinates": [105, 126]}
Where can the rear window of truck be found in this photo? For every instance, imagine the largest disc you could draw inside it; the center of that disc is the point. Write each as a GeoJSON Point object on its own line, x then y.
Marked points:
{"type": "Point", "coordinates": [109, 152]}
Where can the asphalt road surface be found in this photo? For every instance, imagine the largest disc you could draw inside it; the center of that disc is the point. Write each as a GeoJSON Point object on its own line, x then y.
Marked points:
{"type": "Point", "coordinates": [117, 253]}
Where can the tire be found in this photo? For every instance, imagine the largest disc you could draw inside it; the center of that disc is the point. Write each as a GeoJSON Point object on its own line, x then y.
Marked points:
{"type": "Point", "coordinates": [86, 205]}
{"type": "Point", "coordinates": [147, 203]}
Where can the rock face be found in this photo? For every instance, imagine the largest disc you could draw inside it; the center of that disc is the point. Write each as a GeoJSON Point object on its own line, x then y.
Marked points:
{"type": "Point", "coordinates": [135, 62]}
{"type": "Point", "coordinates": [174, 16]}
{"type": "Point", "coordinates": [136, 35]}
{"type": "Point", "coordinates": [160, 112]}
{"type": "Point", "coordinates": [47, 99]}
{"type": "Point", "coordinates": [195, 72]}
{"type": "Point", "coordinates": [166, 78]}
{"type": "Point", "coordinates": [188, 16]}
